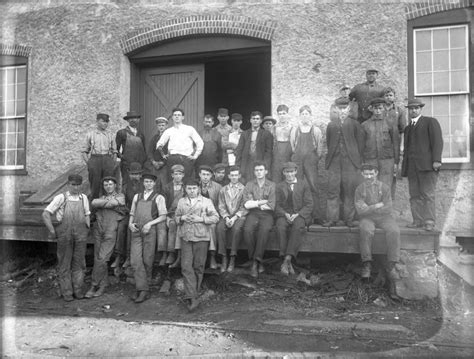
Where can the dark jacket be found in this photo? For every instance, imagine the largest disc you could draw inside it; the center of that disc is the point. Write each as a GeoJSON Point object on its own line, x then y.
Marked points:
{"type": "Point", "coordinates": [127, 154]}
{"type": "Point", "coordinates": [302, 200]}
{"type": "Point", "coordinates": [168, 193]}
{"type": "Point", "coordinates": [264, 149]}
{"type": "Point", "coordinates": [423, 144]}
{"type": "Point", "coordinates": [381, 140]}
{"type": "Point", "coordinates": [153, 153]}
{"type": "Point", "coordinates": [353, 137]}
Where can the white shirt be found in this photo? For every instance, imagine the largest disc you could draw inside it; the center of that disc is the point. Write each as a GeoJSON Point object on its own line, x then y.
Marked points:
{"type": "Point", "coordinates": [182, 140]}
{"type": "Point", "coordinates": [415, 120]}
{"type": "Point", "coordinates": [234, 138]}
{"type": "Point", "coordinates": [57, 204]}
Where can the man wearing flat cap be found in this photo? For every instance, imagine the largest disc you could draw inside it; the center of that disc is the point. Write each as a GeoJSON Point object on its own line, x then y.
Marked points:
{"type": "Point", "coordinates": [223, 128]}
{"type": "Point", "coordinates": [351, 108]}
{"type": "Point", "coordinates": [212, 150]}
{"type": "Point", "coordinates": [72, 212]}
{"type": "Point", "coordinates": [294, 205]}
{"type": "Point", "coordinates": [130, 144]}
{"type": "Point", "coordinates": [381, 142]}
{"type": "Point", "coordinates": [363, 93]}
{"type": "Point", "coordinates": [220, 174]}
{"type": "Point", "coordinates": [423, 147]}
{"type": "Point", "coordinates": [109, 212]}
{"type": "Point", "coordinates": [156, 162]}
{"type": "Point", "coordinates": [100, 154]}
{"type": "Point", "coordinates": [374, 207]}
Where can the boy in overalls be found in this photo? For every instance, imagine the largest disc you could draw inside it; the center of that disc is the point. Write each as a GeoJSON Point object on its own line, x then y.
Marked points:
{"type": "Point", "coordinates": [72, 212]}
{"type": "Point", "coordinates": [148, 209]}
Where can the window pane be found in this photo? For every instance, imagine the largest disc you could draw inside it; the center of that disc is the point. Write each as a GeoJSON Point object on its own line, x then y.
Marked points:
{"type": "Point", "coordinates": [458, 37]}
{"type": "Point", "coordinates": [459, 81]}
{"type": "Point", "coordinates": [423, 83]}
{"type": "Point", "coordinates": [20, 157]}
{"type": "Point", "coordinates": [10, 73]}
{"type": "Point", "coordinates": [10, 108]}
{"type": "Point", "coordinates": [11, 125]}
{"type": "Point", "coordinates": [458, 125]}
{"type": "Point", "coordinates": [441, 81]}
{"type": "Point", "coordinates": [458, 59]}
{"type": "Point", "coordinates": [20, 108]}
{"type": "Point", "coordinates": [441, 60]}
{"type": "Point", "coordinates": [423, 61]}
{"type": "Point", "coordinates": [459, 146]}
{"type": "Point", "coordinates": [3, 155]}
{"type": "Point", "coordinates": [10, 93]}
{"type": "Point", "coordinates": [11, 141]}
{"type": "Point", "coordinates": [3, 126]}
{"type": "Point", "coordinates": [440, 39]}
{"type": "Point", "coordinates": [459, 105]}
{"type": "Point", "coordinates": [11, 158]}
{"type": "Point", "coordinates": [444, 123]}
{"type": "Point", "coordinates": [423, 40]}
{"type": "Point", "coordinates": [21, 75]}
{"type": "Point", "coordinates": [20, 125]}
{"type": "Point", "coordinates": [20, 140]}
{"type": "Point", "coordinates": [3, 141]}
{"type": "Point", "coordinates": [440, 106]}
{"type": "Point", "coordinates": [446, 148]}
{"type": "Point", "coordinates": [21, 91]}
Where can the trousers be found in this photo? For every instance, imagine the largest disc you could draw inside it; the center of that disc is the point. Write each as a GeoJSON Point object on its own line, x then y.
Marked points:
{"type": "Point", "coordinates": [235, 233]}
{"type": "Point", "coordinates": [392, 236]}
{"type": "Point", "coordinates": [193, 260]}
{"type": "Point", "coordinates": [290, 236]}
{"type": "Point", "coordinates": [422, 188]}
{"type": "Point", "coordinates": [257, 227]}
{"type": "Point", "coordinates": [142, 256]}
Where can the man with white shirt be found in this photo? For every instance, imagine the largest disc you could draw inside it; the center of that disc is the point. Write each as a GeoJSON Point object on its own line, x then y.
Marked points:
{"type": "Point", "coordinates": [184, 144]}
{"type": "Point", "coordinates": [233, 139]}
{"type": "Point", "coordinates": [421, 163]}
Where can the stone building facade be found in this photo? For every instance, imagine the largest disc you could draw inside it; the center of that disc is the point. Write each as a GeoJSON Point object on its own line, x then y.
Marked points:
{"type": "Point", "coordinates": [83, 57]}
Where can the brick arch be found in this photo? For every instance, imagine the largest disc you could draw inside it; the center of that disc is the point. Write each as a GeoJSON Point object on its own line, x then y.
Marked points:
{"type": "Point", "coordinates": [424, 8]}
{"type": "Point", "coordinates": [197, 26]}
{"type": "Point", "coordinates": [15, 50]}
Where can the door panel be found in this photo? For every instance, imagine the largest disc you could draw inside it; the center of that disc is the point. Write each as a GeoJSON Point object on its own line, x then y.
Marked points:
{"type": "Point", "coordinates": [164, 88]}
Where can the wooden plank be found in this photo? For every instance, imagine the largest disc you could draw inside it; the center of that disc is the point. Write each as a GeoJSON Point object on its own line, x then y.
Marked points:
{"type": "Point", "coordinates": [28, 233]}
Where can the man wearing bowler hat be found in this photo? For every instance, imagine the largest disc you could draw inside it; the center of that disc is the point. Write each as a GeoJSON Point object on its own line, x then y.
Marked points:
{"type": "Point", "coordinates": [363, 93]}
{"type": "Point", "coordinates": [100, 145]}
{"type": "Point", "coordinates": [294, 205]}
{"type": "Point", "coordinates": [423, 147]}
{"type": "Point", "coordinates": [130, 144]}
{"type": "Point", "coordinates": [156, 162]}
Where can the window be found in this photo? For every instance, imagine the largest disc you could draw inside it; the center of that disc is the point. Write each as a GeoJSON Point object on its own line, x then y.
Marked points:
{"type": "Point", "coordinates": [12, 117]}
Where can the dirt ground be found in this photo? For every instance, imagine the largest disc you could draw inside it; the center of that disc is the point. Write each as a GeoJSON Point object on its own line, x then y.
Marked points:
{"type": "Point", "coordinates": [327, 312]}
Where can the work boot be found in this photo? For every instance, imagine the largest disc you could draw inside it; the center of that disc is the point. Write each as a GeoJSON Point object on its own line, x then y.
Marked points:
{"type": "Point", "coordinates": [177, 262]}
{"type": "Point", "coordinates": [170, 259]}
{"type": "Point", "coordinates": [329, 224]}
{"type": "Point", "coordinates": [392, 272]}
{"type": "Point", "coordinates": [254, 270]}
{"type": "Point", "coordinates": [116, 262]}
{"type": "Point", "coordinates": [231, 266]}
{"type": "Point", "coordinates": [261, 268]}
{"type": "Point", "coordinates": [68, 298]}
{"type": "Point", "coordinates": [162, 261]}
{"type": "Point", "coordinates": [193, 305]}
{"type": "Point", "coordinates": [290, 268]}
{"type": "Point", "coordinates": [142, 296]}
{"type": "Point", "coordinates": [79, 295]}
{"type": "Point", "coordinates": [212, 262]}
{"type": "Point", "coordinates": [366, 269]}
{"type": "Point", "coordinates": [224, 264]}
{"type": "Point", "coordinates": [126, 264]}
{"type": "Point", "coordinates": [90, 293]}
{"type": "Point", "coordinates": [135, 295]}
{"type": "Point", "coordinates": [352, 224]}
{"type": "Point", "coordinates": [284, 268]}
{"type": "Point", "coordinates": [429, 226]}
{"type": "Point", "coordinates": [99, 291]}
{"type": "Point", "coordinates": [414, 225]}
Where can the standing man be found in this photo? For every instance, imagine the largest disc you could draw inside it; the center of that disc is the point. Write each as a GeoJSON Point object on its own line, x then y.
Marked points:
{"type": "Point", "coordinates": [259, 199]}
{"type": "Point", "coordinates": [374, 206]}
{"type": "Point", "coordinates": [363, 93]}
{"type": "Point", "coordinates": [184, 144]}
{"type": "Point", "coordinates": [421, 162]}
{"type": "Point", "coordinates": [100, 144]}
{"type": "Point", "coordinates": [194, 216]}
{"type": "Point", "coordinates": [212, 151]}
{"type": "Point", "coordinates": [233, 140]}
{"type": "Point", "coordinates": [294, 206]}
{"type": "Point", "coordinates": [109, 212]}
{"type": "Point", "coordinates": [223, 128]}
{"type": "Point", "coordinates": [130, 144]}
{"type": "Point", "coordinates": [282, 150]}
{"type": "Point", "coordinates": [352, 109]}
{"type": "Point", "coordinates": [156, 157]}
{"type": "Point", "coordinates": [254, 145]}
{"type": "Point", "coordinates": [72, 212]}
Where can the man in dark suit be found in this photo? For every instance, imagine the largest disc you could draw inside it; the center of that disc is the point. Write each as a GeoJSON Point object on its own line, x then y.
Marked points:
{"type": "Point", "coordinates": [421, 163]}
{"type": "Point", "coordinates": [294, 205]}
{"type": "Point", "coordinates": [255, 144]}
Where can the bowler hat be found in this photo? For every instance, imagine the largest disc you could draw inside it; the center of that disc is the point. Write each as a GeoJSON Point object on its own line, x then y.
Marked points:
{"type": "Point", "coordinates": [219, 167]}
{"type": "Point", "coordinates": [376, 101]}
{"type": "Point", "coordinates": [205, 168]}
{"type": "Point", "coordinates": [161, 120]}
{"type": "Point", "coordinates": [103, 116]}
{"type": "Point", "coordinates": [414, 102]}
{"type": "Point", "coordinates": [149, 176]}
{"type": "Point", "coordinates": [177, 168]}
{"type": "Point", "coordinates": [132, 114]}
{"type": "Point", "coordinates": [368, 167]}
{"type": "Point", "coordinates": [222, 112]}
{"type": "Point", "coordinates": [109, 178]}
{"type": "Point", "coordinates": [135, 168]}
{"type": "Point", "coordinates": [289, 166]}
{"type": "Point", "coordinates": [269, 118]}
{"type": "Point", "coordinates": [236, 117]}
{"type": "Point", "coordinates": [75, 179]}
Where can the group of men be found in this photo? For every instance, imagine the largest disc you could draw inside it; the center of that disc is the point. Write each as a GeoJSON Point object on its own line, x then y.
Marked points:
{"type": "Point", "coordinates": [188, 196]}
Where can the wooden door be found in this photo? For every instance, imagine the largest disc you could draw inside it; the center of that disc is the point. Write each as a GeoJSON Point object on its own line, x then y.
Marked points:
{"type": "Point", "coordinates": [164, 88]}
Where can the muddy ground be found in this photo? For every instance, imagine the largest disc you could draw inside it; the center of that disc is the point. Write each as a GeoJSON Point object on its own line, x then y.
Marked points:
{"type": "Point", "coordinates": [327, 311]}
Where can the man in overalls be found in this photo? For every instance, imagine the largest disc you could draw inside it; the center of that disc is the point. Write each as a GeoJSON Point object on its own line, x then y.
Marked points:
{"type": "Point", "coordinates": [105, 233]}
{"type": "Point", "coordinates": [72, 212]}
{"type": "Point", "coordinates": [148, 209]}
{"type": "Point", "coordinates": [130, 144]}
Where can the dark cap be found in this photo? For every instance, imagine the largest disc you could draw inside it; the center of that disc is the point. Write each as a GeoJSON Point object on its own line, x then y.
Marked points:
{"type": "Point", "coordinates": [342, 101]}
{"type": "Point", "coordinates": [222, 112]}
{"type": "Point", "coordinates": [269, 118]}
{"type": "Point", "coordinates": [368, 167]}
{"type": "Point", "coordinates": [414, 102]}
{"type": "Point", "coordinates": [135, 168]}
{"type": "Point", "coordinates": [149, 176]}
{"type": "Point", "coordinates": [74, 179]}
{"type": "Point", "coordinates": [161, 120]}
{"type": "Point", "coordinates": [289, 166]}
{"type": "Point", "coordinates": [237, 117]}
{"type": "Point", "coordinates": [132, 114]}
{"type": "Point", "coordinates": [103, 116]}
{"type": "Point", "coordinates": [376, 101]}
{"type": "Point", "coordinates": [191, 182]}
{"type": "Point", "coordinates": [205, 168]}
{"type": "Point", "coordinates": [109, 178]}
{"type": "Point", "coordinates": [177, 168]}
{"type": "Point", "coordinates": [219, 167]}
{"type": "Point", "coordinates": [372, 70]}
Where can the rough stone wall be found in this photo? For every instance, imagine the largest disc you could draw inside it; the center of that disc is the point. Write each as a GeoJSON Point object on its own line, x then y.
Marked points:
{"type": "Point", "coordinates": [77, 68]}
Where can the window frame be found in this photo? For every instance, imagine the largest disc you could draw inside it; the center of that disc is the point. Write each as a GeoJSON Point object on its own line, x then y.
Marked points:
{"type": "Point", "coordinates": [445, 19]}
{"type": "Point", "coordinates": [17, 61]}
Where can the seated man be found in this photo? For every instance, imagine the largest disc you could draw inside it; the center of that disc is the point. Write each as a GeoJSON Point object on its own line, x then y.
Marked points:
{"type": "Point", "coordinates": [294, 205]}
{"type": "Point", "coordinates": [195, 214]}
{"type": "Point", "coordinates": [109, 211]}
{"type": "Point", "coordinates": [374, 206]}
{"type": "Point", "coordinates": [219, 174]}
{"type": "Point", "coordinates": [232, 212]}
{"type": "Point", "coordinates": [259, 199]}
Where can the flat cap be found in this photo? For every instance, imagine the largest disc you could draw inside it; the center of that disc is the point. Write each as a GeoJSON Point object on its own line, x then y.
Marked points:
{"type": "Point", "coordinates": [368, 167]}
{"type": "Point", "coordinates": [161, 120]}
{"type": "Point", "coordinates": [222, 112]}
{"type": "Point", "coordinates": [74, 179]}
{"type": "Point", "coordinates": [132, 114]}
{"type": "Point", "coordinates": [219, 167]}
{"type": "Point", "coordinates": [177, 168]}
{"type": "Point", "coordinates": [148, 175]}
{"type": "Point", "coordinates": [109, 178]}
{"type": "Point", "coordinates": [269, 118]}
{"type": "Point", "coordinates": [376, 101]}
{"type": "Point", "coordinates": [205, 168]}
{"type": "Point", "coordinates": [414, 102]}
{"type": "Point", "coordinates": [103, 116]}
{"type": "Point", "coordinates": [372, 70]}
{"type": "Point", "coordinates": [236, 117]}
{"type": "Point", "coordinates": [191, 182]}
{"type": "Point", "coordinates": [289, 166]}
